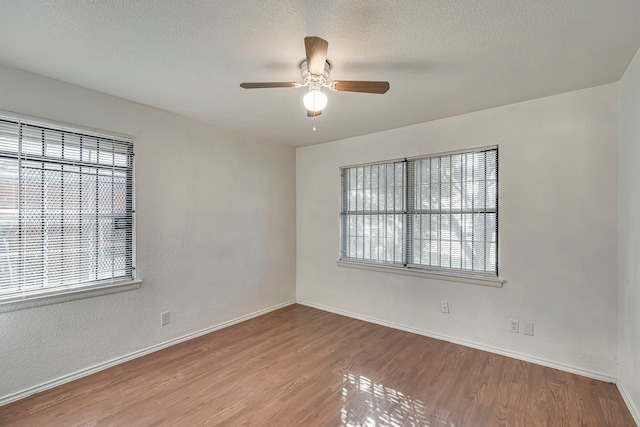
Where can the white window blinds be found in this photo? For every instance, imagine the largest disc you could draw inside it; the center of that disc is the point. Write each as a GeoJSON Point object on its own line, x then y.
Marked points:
{"type": "Point", "coordinates": [435, 212]}
{"type": "Point", "coordinates": [374, 212]}
{"type": "Point", "coordinates": [66, 209]}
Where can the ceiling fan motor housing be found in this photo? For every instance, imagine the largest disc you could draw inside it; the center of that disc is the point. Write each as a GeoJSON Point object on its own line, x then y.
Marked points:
{"type": "Point", "coordinates": [312, 80]}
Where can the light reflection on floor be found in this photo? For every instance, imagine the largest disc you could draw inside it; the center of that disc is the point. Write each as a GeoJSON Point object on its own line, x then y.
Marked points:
{"type": "Point", "coordinates": [369, 404]}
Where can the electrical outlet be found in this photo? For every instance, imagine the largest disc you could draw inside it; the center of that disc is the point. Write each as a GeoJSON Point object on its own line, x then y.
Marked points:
{"type": "Point", "coordinates": [514, 326]}
{"type": "Point", "coordinates": [528, 328]}
{"type": "Point", "coordinates": [165, 318]}
{"type": "Point", "coordinates": [444, 307]}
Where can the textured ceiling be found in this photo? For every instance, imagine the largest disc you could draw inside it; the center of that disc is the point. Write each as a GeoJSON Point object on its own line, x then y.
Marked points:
{"type": "Point", "coordinates": [441, 57]}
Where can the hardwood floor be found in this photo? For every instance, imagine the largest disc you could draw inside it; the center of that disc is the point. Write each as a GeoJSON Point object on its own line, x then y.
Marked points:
{"type": "Point", "coordinates": [299, 366]}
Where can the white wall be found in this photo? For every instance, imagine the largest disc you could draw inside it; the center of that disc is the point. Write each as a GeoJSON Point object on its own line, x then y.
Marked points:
{"type": "Point", "coordinates": [214, 232]}
{"type": "Point", "coordinates": [557, 221]}
{"type": "Point", "coordinates": [629, 234]}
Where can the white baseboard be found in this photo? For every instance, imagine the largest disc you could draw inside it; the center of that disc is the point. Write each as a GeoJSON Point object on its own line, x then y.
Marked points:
{"type": "Point", "coordinates": [118, 360]}
{"type": "Point", "coordinates": [515, 355]}
{"type": "Point", "coordinates": [630, 404]}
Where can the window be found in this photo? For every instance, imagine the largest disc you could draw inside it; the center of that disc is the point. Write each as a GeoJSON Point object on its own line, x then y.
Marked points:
{"type": "Point", "coordinates": [66, 210]}
{"type": "Point", "coordinates": [437, 213]}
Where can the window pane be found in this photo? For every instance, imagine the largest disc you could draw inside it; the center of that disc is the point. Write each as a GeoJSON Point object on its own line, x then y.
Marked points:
{"type": "Point", "coordinates": [9, 134]}
{"type": "Point", "coordinates": [9, 243]}
{"type": "Point", "coordinates": [372, 232]}
{"type": "Point", "coordinates": [463, 183]}
{"type": "Point", "coordinates": [366, 193]}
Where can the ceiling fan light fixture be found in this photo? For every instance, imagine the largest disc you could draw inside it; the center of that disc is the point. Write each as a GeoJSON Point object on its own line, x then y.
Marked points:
{"type": "Point", "coordinates": [315, 70]}
{"type": "Point", "coordinates": [315, 100]}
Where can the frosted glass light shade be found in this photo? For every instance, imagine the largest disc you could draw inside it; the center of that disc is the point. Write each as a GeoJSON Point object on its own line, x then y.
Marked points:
{"type": "Point", "coordinates": [314, 100]}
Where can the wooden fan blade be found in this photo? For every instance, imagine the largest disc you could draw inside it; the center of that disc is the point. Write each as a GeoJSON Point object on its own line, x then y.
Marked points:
{"type": "Point", "coordinates": [313, 113]}
{"type": "Point", "coordinates": [361, 86]}
{"type": "Point", "coordinates": [266, 85]}
{"type": "Point", "coordinates": [316, 54]}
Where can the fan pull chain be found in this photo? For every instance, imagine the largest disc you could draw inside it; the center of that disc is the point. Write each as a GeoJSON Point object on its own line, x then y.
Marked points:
{"type": "Point", "coordinates": [314, 122]}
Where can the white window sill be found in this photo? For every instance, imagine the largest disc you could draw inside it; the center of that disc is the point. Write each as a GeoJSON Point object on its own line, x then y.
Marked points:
{"type": "Point", "coordinates": [495, 282]}
{"type": "Point", "coordinates": [60, 296]}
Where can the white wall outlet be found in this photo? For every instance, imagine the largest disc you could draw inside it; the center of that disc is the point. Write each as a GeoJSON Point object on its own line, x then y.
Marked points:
{"type": "Point", "coordinates": [528, 328]}
{"type": "Point", "coordinates": [514, 326]}
{"type": "Point", "coordinates": [165, 318]}
{"type": "Point", "coordinates": [444, 307]}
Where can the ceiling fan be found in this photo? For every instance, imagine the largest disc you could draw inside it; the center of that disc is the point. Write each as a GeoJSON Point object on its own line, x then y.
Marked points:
{"type": "Point", "coordinates": [315, 71]}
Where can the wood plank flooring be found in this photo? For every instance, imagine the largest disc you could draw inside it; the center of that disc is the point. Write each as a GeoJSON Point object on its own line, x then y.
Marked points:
{"type": "Point", "coordinates": [299, 366]}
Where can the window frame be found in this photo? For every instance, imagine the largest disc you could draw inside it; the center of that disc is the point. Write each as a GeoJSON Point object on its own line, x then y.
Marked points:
{"type": "Point", "coordinates": [488, 278]}
{"type": "Point", "coordinates": [70, 292]}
